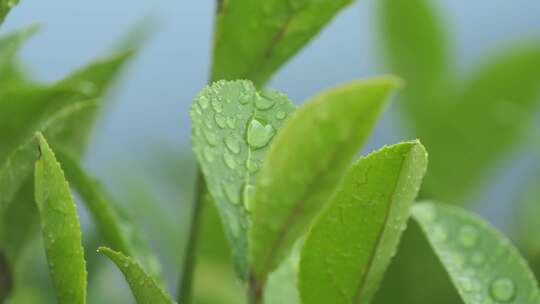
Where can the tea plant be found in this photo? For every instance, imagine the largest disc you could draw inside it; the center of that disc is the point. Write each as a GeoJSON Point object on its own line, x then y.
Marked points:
{"type": "Point", "coordinates": [306, 223]}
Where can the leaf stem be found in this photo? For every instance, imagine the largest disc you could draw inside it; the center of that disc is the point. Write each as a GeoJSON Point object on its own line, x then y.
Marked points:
{"type": "Point", "coordinates": [186, 277]}
{"type": "Point", "coordinates": [255, 290]}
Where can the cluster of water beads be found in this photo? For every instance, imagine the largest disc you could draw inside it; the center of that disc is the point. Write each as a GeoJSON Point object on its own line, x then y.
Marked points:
{"type": "Point", "coordinates": [500, 290]}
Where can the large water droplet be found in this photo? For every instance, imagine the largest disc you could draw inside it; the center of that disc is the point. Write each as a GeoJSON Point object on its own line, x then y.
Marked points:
{"type": "Point", "coordinates": [210, 137]}
{"type": "Point", "coordinates": [248, 195]}
{"type": "Point", "coordinates": [468, 236]}
{"type": "Point", "coordinates": [232, 144]}
{"type": "Point", "coordinates": [209, 154]}
{"type": "Point", "coordinates": [217, 105]}
{"type": "Point", "coordinates": [229, 160]}
{"type": "Point", "coordinates": [502, 290]}
{"type": "Point", "coordinates": [244, 98]}
{"type": "Point", "coordinates": [220, 120]}
{"type": "Point", "coordinates": [258, 135]}
{"type": "Point", "coordinates": [203, 102]}
{"type": "Point", "coordinates": [262, 102]}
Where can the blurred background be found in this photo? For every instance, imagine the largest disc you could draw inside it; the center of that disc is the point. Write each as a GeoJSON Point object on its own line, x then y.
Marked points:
{"type": "Point", "coordinates": [141, 146]}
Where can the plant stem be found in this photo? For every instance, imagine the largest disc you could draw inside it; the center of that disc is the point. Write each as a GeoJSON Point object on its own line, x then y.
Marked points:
{"type": "Point", "coordinates": [255, 291]}
{"type": "Point", "coordinates": [186, 278]}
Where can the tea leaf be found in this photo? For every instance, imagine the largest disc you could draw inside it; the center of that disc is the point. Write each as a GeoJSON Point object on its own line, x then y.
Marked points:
{"type": "Point", "coordinates": [117, 231]}
{"type": "Point", "coordinates": [233, 125]}
{"type": "Point", "coordinates": [5, 7]}
{"type": "Point", "coordinates": [500, 98]}
{"type": "Point", "coordinates": [253, 39]}
{"type": "Point", "coordinates": [10, 44]}
{"type": "Point", "coordinates": [351, 244]}
{"type": "Point", "coordinates": [306, 163]}
{"type": "Point", "coordinates": [61, 228]}
{"type": "Point", "coordinates": [144, 288]}
{"type": "Point", "coordinates": [456, 115]}
{"type": "Point", "coordinates": [416, 49]}
{"type": "Point", "coordinates": [482, 264]}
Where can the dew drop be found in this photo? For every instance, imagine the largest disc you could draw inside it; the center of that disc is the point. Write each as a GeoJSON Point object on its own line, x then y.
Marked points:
{"type": "Point", "coordinates": [228, 158]}
{"type": "Point", "coordinates": [203, 102]}
{"type": "Point", "coordinates": [217, 105]}
{"type": "Point", "coordinates": [252, 166]}
{"type": "Point", "coordinates": [258, 135]}
{"type": "Point", "coordinates": [262, 102]}
{"type": "Point", "coordinates": [280, 115]}
{"type": "Point", "coordinates": [502, 290]}
{"type": "Point", "coordinates": [468, 236]}
{"type": "Point", "coordinates": [244, 98]}
{"type": "Point", "coordinates": [209, 154]}
{"type": "Point", "coordinates": [232, 144]}
{"type": "Point", "coordinates": [220, 120]}
{"type": "Point", "coordinates": [210, 137]}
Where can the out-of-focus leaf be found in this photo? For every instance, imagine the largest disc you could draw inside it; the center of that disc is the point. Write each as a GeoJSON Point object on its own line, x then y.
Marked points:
{"type": "Point", "coordinates": [253, 39]}
{"type": "Point", "coordinates": [117, 231]}
{"type": "Point", "coordinates": [351, 244]}
{"type": "Point", "coordinates": [233, 126]}
{"type": "Point", "coordinates": [5, 7]}
{"type": "Point", "coordinates": [456, 123]}
{"type": "Point", "coordinates": [6, 278]}
{"type": "Point", "coordinates": [305, 164]}
{"type": "Point", "coordinates": [500, 98]}
{"type": "Point", "coordinates": [482, 264]}
{"type": "Point", "coordinates": [416, 50]}
{"type": "Point", "coordinates": [10, 44]}
{"type": "Point", "coordinates": [61, 228]}
{"type": "Point", "coordinates": [144, 287]}
{"type": "Point", "coordinates": [62, 129]}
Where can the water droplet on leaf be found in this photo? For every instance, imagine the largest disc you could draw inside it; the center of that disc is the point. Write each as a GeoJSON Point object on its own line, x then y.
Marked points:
{"type": "Point", "coordinates": [502, 290]}
{"type": "Point", "coordinates": [258, 135]}
{"type": "Point", "coordinates": [232, 144]}
{"type": "Point", "coordinates": [280, 115]}
{"type": "Point", "coordinates": [468, 236]}
{"type": "Point", "coordinates": [220, 120]}
{"type": "Point", "coordinates": [248, 194]}
{"type": "Point", "coordinates": [228, 158]}
{"type": "Point", "coordinates": [203, 102]}
{"type": "Point", "coordinates": [262, 102]}
{"type": "Point", "coordinates": [217, 105]}
{"type": "Point", "coordinates": [210, 137]}
{"type": "Point", "coordinates": [231, 192]}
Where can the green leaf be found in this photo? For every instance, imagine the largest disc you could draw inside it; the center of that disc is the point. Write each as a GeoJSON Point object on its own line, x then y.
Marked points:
{"type": "Point", "coordinates": [143, 286]}
{"type": "Point", "coordinates": [5, 7]}
{"type": "Point", "coordinates": [117, 231]}
{"type": "Point", "coordinates": [456, 115]}
{"type": "Point", "coordinates": [500, 98]}
{"type": "Point", "coordinates": [351, 244]}
{"type": "Point", "coordinates": [305, 165]}
{"type": "Point", "coordinates": [482, 264]}
{"type": "Point", "coordinates": [61, 228]}
{"type": "Point", "coordinates": [10, 44]}
{"type": "Point", "coordinates": [233, 125]}
{"type": "Point", "coordinates": [65, 129]}
{"type": "Point", "coordinates": [253, 39]}
{"type": "Point", "coordinates": [415, 47]}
